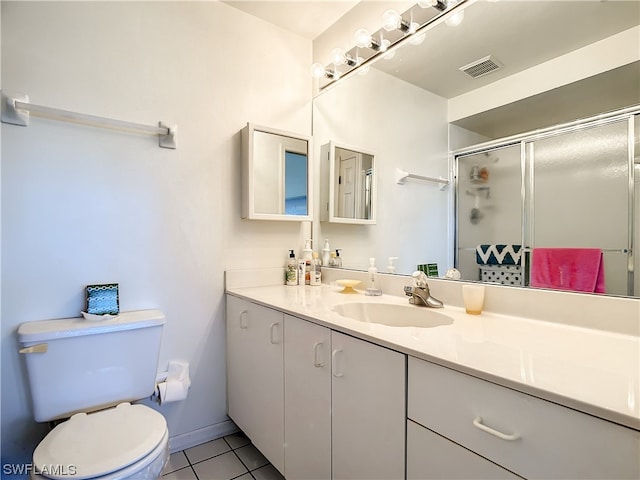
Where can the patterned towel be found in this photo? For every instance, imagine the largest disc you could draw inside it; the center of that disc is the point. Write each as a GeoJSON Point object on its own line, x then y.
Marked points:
{"type": "Point", "coordinates": [498, 254]}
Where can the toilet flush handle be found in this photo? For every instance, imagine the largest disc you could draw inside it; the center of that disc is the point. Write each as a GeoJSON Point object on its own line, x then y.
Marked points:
{"type": "Point", "coordinates": [37, 348]}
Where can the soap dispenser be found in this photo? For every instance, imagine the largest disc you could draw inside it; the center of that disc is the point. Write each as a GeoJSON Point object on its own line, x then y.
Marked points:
{"type": "Point", "coordinates": [326, 253]}
{"type": "Point", "coordinates": [373, 288]}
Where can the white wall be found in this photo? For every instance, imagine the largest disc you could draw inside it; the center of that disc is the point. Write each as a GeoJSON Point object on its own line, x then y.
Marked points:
{"type": "Point", "coordinates": [403, 126]}
{"type": "Point", "coordinates": [83, 205]}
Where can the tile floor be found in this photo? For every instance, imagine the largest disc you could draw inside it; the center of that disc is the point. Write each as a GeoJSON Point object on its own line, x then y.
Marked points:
{"type": "Point", "coordinates": [230, 457]}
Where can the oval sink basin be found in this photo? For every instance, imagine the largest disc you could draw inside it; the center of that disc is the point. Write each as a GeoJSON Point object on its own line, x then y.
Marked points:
{"type": "Point", "coordinates": [393, 315]}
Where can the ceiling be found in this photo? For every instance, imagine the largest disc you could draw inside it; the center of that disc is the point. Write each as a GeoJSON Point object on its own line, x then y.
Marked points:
{"type": "Point", "coordinates": [517, 33]}
{"type": "Point", "coordinates": [305, 18]}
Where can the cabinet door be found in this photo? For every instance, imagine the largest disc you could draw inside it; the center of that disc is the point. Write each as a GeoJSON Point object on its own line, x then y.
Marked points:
{"type": "Point", "coordinates": [255, 380]}
{"type": "Point", "coordinates": [307, 397]}
{"type": "Point", "coordinates": [432, 457]}
{"type": "Point", "coordinates": [368, 403]}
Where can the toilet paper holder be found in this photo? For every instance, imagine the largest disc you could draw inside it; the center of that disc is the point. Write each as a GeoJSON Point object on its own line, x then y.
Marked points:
{"type": "Point", "coordinates": [172, 385]}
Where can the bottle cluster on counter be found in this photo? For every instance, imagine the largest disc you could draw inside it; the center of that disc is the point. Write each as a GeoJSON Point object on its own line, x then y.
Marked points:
{"type": "Point", "coordinates": [308, 270]}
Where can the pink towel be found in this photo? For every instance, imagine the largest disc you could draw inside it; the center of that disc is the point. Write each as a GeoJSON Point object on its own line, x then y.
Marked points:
{"type": "Point", "coordinates": [577, 269]}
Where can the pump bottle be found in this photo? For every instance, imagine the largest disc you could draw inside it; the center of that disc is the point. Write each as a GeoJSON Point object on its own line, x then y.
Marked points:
{"type": "Point", "coordinates": [307, 256]}
{"type": "Point", "coordinates": [315, 274]}
{"type": "Point", "coordinates": [291, 272]}
{"type": "Point", "coordinates": [373, 289]}
{"type": "Point", "coordinates": [326, 253]}
{"type": "Point", "coordinates": [336, 261]}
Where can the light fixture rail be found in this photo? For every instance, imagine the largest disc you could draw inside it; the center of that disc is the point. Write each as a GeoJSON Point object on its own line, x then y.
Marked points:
{"type": "Point", "coordinates": [16, 110]}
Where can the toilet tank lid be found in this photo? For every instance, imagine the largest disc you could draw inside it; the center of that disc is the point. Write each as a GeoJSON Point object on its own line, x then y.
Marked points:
{"type": "Point", "coordinates": [47, 330]}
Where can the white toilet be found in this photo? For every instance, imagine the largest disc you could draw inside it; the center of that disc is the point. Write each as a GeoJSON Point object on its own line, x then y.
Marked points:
{"type": "Point", "coordinates": [89, 371]}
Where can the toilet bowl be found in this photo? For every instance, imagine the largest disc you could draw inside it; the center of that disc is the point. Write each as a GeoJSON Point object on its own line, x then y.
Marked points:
{"type": "Point", "coordinates": [122, 442]}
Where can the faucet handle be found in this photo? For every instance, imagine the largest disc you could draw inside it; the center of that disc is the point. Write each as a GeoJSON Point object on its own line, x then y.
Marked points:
{"type": "Point", "coordinates": [419, 279]}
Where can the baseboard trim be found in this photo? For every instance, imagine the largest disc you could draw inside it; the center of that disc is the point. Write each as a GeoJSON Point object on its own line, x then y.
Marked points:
{"type": "Point", "coordinates": [202, 435]}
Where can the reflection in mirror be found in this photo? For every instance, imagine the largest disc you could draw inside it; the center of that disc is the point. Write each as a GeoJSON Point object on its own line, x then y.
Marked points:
{"type": "Point", "coordinates": [563, 196]}
{"type": "Point", "coordinates": [348, 187]}
{"type": "Point", "coordinates": [276, 174]}
{"type": "Point", "coordinates": [558, 62]}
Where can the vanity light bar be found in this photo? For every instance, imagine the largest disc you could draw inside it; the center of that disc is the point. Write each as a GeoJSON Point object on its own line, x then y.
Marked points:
{"type": "Point", "coordinates": [395, 30]}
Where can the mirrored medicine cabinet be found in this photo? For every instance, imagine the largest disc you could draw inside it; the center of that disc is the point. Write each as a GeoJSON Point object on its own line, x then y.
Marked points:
{"type": "Point", "coordinates": [276, 174]}
{"type": "Point", "coordinates": [348, 184]}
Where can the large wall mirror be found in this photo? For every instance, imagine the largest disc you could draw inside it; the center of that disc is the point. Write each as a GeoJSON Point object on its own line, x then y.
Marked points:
{"type": "Point", "coordinates": [555, 63]}
{"type": "Point", "coordinates": [348, 184]}
{"type": "Point", "coordinates": [276, 174]}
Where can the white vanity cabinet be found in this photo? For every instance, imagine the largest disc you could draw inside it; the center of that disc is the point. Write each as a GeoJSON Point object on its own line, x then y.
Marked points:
{"type": "Point", "coordinates": [317, 403]}
{"type": "Point", "coordinates": [344, 405]}
{"type": "Point", "coordinates": [255, 377]}
{"type": "Point", "coordinates": [532, 437]}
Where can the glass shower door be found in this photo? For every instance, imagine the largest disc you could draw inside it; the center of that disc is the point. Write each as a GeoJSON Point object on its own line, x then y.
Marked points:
{"type": "Point", "coordinates": [580, 196]}
{"type": "Point", "coordinates": [488, 205]}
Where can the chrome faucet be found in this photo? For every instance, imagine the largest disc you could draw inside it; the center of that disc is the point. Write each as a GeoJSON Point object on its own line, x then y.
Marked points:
{"type": "Point", "coordinates": [419, 292]}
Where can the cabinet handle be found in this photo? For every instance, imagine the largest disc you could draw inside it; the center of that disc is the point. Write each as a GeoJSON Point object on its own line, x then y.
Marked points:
{"type": "Point", "coordinates": [316, 350]}
{"type": "Point", "coordinates": [243, 319]}
{"type": "Point", "coordinates": [477, 422]}
{"type": "Point", "coordinates": [334, 363]}
{"type": "Point", "coordinates": [274, 338]}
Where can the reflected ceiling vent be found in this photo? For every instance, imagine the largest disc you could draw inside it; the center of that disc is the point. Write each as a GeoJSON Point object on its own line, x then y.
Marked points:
{"type": "Point", "coordinates": [481, 67]}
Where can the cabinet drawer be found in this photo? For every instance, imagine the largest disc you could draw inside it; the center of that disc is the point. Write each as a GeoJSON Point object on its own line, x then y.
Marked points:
{"type": "Point", "coordinates": [527, 435]}
{"type": "Point", "coordinates": [432, 457]}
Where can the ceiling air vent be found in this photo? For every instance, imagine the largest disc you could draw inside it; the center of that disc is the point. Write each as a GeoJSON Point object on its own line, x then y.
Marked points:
{"type": "Point", "coordinates": [481, 67]}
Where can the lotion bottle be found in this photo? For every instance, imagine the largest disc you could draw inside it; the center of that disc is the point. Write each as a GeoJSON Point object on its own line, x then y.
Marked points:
{"type": "Point", "coordinates": [372, 281]}
{"type": "Point", "coordinates": [291, 273]}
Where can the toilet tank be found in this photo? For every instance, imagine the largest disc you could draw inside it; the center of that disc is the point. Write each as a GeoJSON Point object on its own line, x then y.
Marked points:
{"type": "Point", "coordinates": [77, 365]}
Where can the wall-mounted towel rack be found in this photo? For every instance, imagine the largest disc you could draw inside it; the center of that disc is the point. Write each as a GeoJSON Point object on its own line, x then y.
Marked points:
{"type": "Point", "coordinates": [16, 110]}
{"type": "Point", "coordinates": [402, 175]}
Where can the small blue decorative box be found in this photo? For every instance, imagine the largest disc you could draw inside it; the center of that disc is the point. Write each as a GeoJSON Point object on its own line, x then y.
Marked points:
{"type": "Point", "coordinates": [103, 299]}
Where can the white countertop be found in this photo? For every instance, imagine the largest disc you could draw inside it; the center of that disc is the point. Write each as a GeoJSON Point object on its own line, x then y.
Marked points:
{"type": "Point", "coordinates": [593, 371]}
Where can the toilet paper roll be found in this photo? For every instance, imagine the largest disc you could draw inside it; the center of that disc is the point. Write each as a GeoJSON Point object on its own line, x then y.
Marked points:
{"type": "Point", "coordinates": [172, 391]}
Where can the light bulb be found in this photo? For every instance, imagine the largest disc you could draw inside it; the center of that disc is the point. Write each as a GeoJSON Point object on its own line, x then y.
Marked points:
{"type": "Point", "coordinates": [362, 38]}
{"type": "Point", "coordinates": [437, 4]}
{"type": "Point", "coordinates": [391, 20]}
{"type": "Point", "coordinates": [455, 19]}
{"type": "Point", "coordinates": [384, 45]}
{"type": "Point", "coordinates": [317, 70]}
{"type": "Point", "coordinates": [338, 57]}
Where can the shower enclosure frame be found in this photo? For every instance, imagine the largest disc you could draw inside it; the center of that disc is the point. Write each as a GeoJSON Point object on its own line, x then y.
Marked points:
{"type": "Point", "coordinates": [527, 192]}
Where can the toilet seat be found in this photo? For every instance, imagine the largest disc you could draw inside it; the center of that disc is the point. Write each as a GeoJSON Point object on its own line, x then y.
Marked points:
{"type": "Point", "coordinates": [96, 444]}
